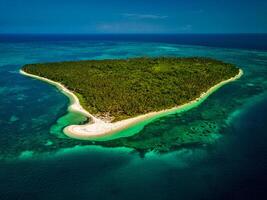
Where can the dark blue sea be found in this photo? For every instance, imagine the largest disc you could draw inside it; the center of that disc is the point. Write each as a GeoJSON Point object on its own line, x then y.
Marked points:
{"type": "Point", "coordinates": [38, 162]}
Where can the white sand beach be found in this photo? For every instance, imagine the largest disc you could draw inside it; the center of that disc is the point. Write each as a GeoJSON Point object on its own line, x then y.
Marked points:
{"type": "Point", "coordinates": [98, 128]}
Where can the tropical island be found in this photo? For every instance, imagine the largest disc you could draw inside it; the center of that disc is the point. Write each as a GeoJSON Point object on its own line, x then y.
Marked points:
{"type": "Point", "coordinates": [116, 94]}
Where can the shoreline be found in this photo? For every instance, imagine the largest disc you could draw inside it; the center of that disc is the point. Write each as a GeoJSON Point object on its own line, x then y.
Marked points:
{"type": "Point", "coordinates": [97, 128]}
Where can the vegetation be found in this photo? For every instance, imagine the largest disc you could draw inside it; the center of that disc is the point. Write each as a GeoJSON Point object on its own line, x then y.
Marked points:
{"type": "Point", "coordinates": [121, 89]}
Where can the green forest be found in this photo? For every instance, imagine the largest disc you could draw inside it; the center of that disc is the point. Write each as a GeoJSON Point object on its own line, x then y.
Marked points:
{"type": "Point", "coordinates": [123, 88]}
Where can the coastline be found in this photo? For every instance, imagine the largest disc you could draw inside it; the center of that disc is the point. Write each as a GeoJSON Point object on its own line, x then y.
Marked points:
{"type": "Point", "coordinates": [97, 128]}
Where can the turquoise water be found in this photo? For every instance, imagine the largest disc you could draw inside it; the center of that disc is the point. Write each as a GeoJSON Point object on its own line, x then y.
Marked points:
{"type": "Point", "coordinates": [39, 162]}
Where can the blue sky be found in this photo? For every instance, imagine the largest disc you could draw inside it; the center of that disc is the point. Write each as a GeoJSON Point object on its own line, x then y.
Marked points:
{"type": "Point", "coordinates": [133, 16]}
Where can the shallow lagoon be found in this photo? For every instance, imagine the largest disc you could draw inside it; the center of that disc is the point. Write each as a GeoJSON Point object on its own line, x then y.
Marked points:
{"type": "Point", "coordinates": [35, 156]}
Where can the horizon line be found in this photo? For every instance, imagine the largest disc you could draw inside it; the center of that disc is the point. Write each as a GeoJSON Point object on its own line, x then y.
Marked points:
{"type": "Point", "coordinates": [132, 33]}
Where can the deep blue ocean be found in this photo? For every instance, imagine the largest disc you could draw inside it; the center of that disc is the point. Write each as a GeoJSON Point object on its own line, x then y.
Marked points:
{"type": "Point", "coordinates": [38, 162]}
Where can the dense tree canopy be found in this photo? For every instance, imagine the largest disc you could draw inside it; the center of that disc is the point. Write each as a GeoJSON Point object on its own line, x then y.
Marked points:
{"type": "Point", "coordinates": [129, 87]}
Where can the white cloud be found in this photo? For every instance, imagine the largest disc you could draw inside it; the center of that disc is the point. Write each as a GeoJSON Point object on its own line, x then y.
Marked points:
{"type": "Point", "coordinates": [144, 16]}
{"type": "Point", "coordinates": [186, 28]}
{"type": "Point", "coordinates": [130, 27]}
